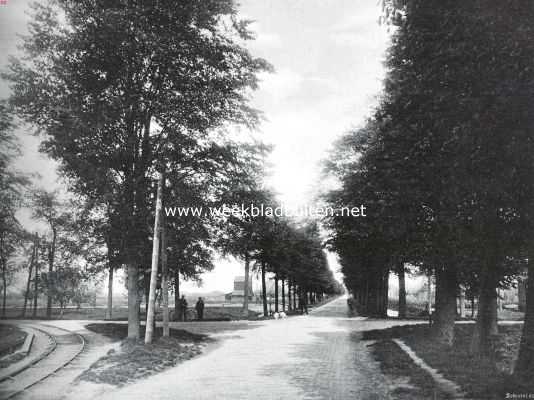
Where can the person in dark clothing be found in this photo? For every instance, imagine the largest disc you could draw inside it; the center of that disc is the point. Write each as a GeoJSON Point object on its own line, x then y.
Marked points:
{"type": "Point", "coordinates": [183, 308]}
{"type": "Point", "coordinates": [303, 302]}
{"type": "Point", "coordinates": [351, 303]}
{"type": "Point", "coordinates": [200, 308]}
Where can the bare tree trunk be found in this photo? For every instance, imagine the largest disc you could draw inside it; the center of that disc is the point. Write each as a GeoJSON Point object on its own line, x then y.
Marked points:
{"type": "Point", "coordinates": [429, 296]}
{"type": "Point", "coordinates": [133, 302]}
{"type": "Point", "coordinates": [294, 296]}
{"type": "Point", "coordinates": [283, 296]}
{"type": "Point", "coordinates": [385, 294]}
{"type": "Point", "coordinates": [245, 289]}
{"type": "Point", "coordinates": [462, 302]}
{"type": "Point", "coordinates": [151, 314]}
{"type": "Point", "coordinates": [164, 281]}
{"type": "Point", "coordinates": [264, 290]}
{"type": "Point", "coordinates": [4, 288]}
{"type": "Point", "coordinates": [36, 285]}
{"type": "Point", "coordinates": [276, 293]}
{"type": "Point", "coordinates": [402, 290]}
{"type": "Point", "coordinates": [51, 257]}
{"type": "Point", "coordinates": [482, 341]}
{"type": "Point", "coordinates": [524, 368]}
{"type": "Point", "coordinates": [30, 270]}
{"type": "Point", "coordinates": [110, 292]}
{"type": "Point", "coordinates": [446, 290]}
{"type": "Point", "coordinates": [289, 295]}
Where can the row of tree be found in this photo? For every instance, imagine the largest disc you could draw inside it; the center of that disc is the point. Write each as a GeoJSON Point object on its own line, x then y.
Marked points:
{"type": "Point", "coordinates": [140, 105]}
{"type": "Point", "coordinates": [445, 164]}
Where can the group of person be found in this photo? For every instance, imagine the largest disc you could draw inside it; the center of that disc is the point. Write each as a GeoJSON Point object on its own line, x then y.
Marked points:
{"type": "Point", "coordinates": [199, 308]}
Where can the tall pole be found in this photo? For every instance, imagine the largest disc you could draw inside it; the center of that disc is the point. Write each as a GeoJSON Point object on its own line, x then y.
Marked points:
{"type": "Point", "coordinates": [150, 317]}
{"type": "Point", "coordinates": [164, 279]}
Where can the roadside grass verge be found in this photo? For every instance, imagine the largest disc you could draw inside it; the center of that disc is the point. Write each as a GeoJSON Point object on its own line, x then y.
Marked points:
{"type": "Point", "coordinates": [12, 338]}
{"type": "Point", "coordinates": [457, 364]}
{"type": "Point", "coordinates": [398, 366]}
{"type": "Point", "coordinates": [134, 360]}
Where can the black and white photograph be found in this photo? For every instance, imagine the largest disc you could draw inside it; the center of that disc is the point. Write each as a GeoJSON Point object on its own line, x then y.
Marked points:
{"type": "Point", "coordinates": [266, 199]}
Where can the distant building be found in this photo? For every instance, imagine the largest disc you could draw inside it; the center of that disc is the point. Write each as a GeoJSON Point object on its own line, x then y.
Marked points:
{"type": "Point", "coordinates": [238, 294]}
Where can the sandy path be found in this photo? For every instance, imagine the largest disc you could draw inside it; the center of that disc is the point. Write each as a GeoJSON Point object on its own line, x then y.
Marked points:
{"type": "Point", "coordinates": [319, 356]}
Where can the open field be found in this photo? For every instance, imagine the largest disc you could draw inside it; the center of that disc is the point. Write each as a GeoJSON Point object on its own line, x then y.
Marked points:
{"type": "Point", "coordinates": [214, 313]}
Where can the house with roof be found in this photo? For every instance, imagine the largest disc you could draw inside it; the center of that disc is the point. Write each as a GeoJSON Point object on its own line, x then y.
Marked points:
{"type": "Point", "coordinates": [238, 293]}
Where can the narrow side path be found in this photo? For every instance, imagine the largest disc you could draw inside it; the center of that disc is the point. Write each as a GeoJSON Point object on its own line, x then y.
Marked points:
{"type": "Point", "coordinates": [67, 345]}
{"type": "Point", "coordinates": [42, 345]}
{"type": "Point", "coordinates": [52, 377]}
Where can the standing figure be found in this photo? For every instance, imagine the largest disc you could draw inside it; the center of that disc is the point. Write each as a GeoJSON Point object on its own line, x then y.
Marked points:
{"type": "Point", "coordinates": [303, 302]}
{"type": "Point", "coordinates": [200, 308]}
{"type": "Point", "coordinates": [183, 308]}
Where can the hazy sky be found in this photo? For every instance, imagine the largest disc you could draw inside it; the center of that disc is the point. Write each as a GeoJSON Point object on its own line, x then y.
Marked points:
{"type": "Point", "coordinates": [327, 56]}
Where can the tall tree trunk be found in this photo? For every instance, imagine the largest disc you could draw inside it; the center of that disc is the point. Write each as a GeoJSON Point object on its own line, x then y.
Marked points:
{"type": "Point", "coordinates": [264, 291]}
{"type": "Point", "coordinates": [177, 294]}
{"type": "Point", "coordinates": [524, 368]}
{"type": "Point", "coordinates": [133, 301]}
{"type": "Point", "coordinates": [4, 288]}
{"type": "Point", "coordinates": [493, 322]}
{"type": "Point", "coordinates": [289, 295]}
{"type": "Point", "coordinates": [51, 257]}
{"type": "Point", "coordinates": [283, 296]}
{"type": "Point", "coordinates": [151, 313]}
{"type": "Point", "coordinates": [245, 289]}
{"type": "Point", "coordinates": [164, 280]}
{"type": "Point", "coordinates": [462, 302]}
{"type": "Point", "coordinates": [446, 291]}
{"type": "Point", "coordinates": [30, 270]}
{"type": "Point", "coordinates": [402, 290]}
{"type": "Point", "coordinates": [295, 297]}
{"type": "Point", "coordinates": [109, 307]}
{"type": "Point", "coordinates": [146, 287]}
{"type": "Point", "coordinates": [36, 285]}
{"type": "Point", "coordinates": [482, 340]}
{"type": "Point", "coordinates": [385, 293]}
{"type": "Point", "coordinates": [276, 293]}
{"type": "Point", "coordinates": [429, 296]}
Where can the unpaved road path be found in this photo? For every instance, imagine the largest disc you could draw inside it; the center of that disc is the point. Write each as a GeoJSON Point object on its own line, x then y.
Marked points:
{"type": "Point", "coordinates": [319, 356]}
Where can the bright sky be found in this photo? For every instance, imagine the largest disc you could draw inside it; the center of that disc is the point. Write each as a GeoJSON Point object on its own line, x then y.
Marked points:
{"type": "Point", "coordinates": [327, 56]}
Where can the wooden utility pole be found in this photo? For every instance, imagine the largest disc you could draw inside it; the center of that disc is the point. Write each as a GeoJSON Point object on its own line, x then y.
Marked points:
{"type": "Point", "coordinates": [164, 279]}
{"type": "Point", "coordinates": [150, 317]}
